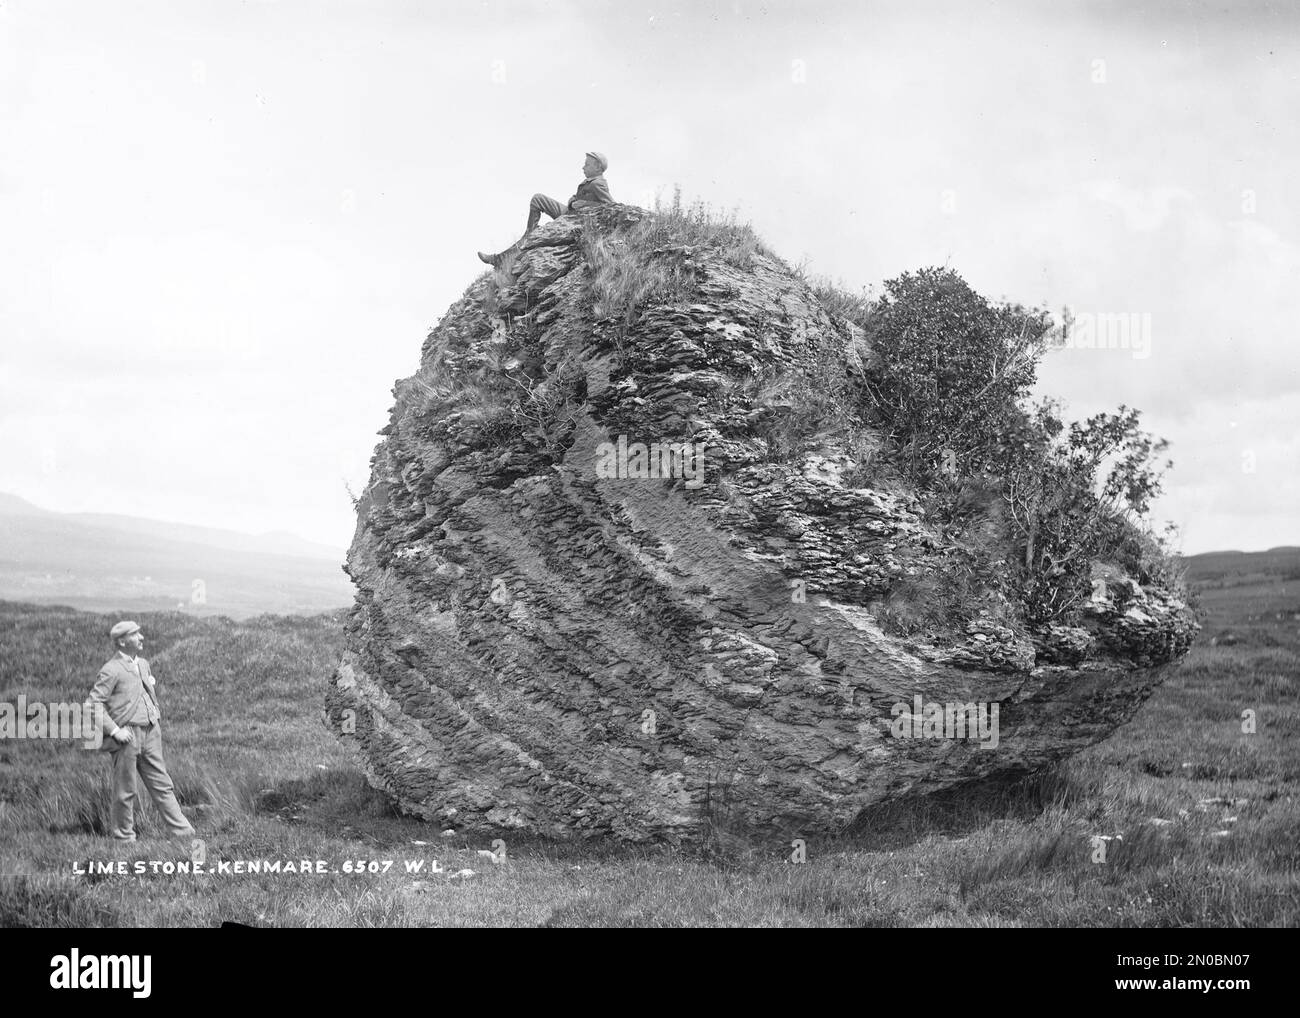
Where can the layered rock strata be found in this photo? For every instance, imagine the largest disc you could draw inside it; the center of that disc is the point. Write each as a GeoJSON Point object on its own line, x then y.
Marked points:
{"type": "Point", "coordinates": [595, 599]}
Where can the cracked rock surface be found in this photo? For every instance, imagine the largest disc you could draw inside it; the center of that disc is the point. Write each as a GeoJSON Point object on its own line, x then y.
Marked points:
{"type": "Point", "coordinates": [538, 647]}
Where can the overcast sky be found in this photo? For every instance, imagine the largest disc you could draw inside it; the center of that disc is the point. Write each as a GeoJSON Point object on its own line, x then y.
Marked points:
{"type": "Point", "coordinates": [227, 227]}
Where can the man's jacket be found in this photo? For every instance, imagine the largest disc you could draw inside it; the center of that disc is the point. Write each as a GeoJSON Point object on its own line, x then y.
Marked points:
{"type": "Point", "coordinates": [592, 189]}
{"type": "Point", "coordinates": [126, 699]}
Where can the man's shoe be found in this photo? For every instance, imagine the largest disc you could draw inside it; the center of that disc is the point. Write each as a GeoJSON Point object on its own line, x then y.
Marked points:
{"type": "Point", "coordinates": [489, 259]}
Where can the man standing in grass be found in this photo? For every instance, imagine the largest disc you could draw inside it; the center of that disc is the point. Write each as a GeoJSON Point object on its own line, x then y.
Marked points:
{"type": "Point", "coordinates": [592, 191]}
{"type": "Point", "coordinates": [124, 691]}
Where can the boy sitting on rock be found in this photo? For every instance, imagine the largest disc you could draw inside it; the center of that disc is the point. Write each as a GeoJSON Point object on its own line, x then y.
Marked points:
{"type": "Point", "coordinates": [592, 191]}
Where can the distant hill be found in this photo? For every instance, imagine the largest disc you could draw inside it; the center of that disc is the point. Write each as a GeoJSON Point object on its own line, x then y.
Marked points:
{"type": "Point", "coordinates": [1210, 566]}
{"type": "Point", "coordinates": [275, 542]}
{"type": "Point", "coordinates": [104, 562]}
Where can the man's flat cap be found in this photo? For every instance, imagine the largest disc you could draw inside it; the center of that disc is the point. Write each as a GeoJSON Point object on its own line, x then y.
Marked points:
{"type": "Point", "coordinates": [600, 158]}
{"type": "Point", "coordinates": [123, 629]}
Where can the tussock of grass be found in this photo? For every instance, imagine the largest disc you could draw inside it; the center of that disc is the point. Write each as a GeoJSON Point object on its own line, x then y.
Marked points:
{"type": "Point", "coordinates": [653, 260]}
{"type": "Point", "coordinates": [840, 302]}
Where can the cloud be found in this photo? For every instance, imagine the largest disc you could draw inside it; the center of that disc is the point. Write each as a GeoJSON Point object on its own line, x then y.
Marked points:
{"type": "Point", "coordinates": [1144, 209]}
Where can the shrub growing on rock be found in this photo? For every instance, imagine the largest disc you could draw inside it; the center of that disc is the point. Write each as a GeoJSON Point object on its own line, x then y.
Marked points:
{"type": "Point", "coordinates": [950, 384]}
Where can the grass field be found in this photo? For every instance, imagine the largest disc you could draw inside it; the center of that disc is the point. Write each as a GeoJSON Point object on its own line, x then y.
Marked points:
{"type": "Point", "coordinates": [1202, 819]}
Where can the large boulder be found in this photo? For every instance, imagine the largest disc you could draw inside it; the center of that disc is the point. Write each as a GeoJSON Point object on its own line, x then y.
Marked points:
{"type": "Point", "coordinates": [560, 632]}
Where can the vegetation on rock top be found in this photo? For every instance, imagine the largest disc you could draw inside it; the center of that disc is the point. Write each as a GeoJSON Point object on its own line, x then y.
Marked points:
{"type": "Point", "coordinates": [940, 409]}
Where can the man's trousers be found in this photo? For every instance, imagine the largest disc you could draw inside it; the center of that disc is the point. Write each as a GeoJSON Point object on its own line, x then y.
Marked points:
{"type": "Point", "coordinates": [540, 203]}
{"type": "Point", "coordinates": [144, 754]}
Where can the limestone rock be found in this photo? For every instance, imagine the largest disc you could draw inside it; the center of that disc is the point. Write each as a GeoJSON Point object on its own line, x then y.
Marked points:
{"type": "Point", "coordinates": [538, 647]}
